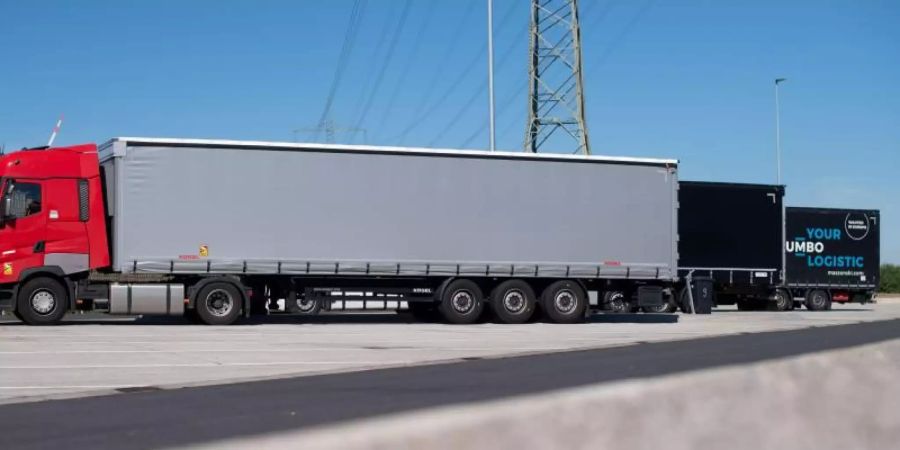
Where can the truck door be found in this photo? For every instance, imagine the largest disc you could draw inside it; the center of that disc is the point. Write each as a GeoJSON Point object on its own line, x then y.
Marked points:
{"type": "Point", "coordinates": [22, 230]}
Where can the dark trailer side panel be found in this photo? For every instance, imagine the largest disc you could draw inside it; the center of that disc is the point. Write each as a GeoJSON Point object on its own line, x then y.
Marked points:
{"type": "Point", "coordinates": [832, 248]}
{"type": "Point", "coordinates": [731, 232]}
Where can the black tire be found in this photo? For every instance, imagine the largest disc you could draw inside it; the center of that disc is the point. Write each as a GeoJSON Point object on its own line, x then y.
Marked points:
{"type": "Point", "coordinates": [783, 301]}
{"type": "Point", "coordinates": [513, 302]}
{"type": "Point", "coordinates": [616, 302]}
{"type": "Point", "coordinates": [462, 302]}
{"type": "Point", "coordinates": [818, 300]}
{"type": "Point", "coordinates": [564, 302]}
{"type": "Point", "coordinates": [42, 301]}
{"type": "Point", "coordinates": [218, 303]}
{"type": "Point", "coordinates": [295, 304]}
{"type": "Point", "coordinates": [666, 308]}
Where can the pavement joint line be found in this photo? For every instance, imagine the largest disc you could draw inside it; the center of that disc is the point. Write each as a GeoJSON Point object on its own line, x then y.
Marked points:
{"type": "Point", "coordinates": [268, 350]}
{"type": "Point", "coordinates": [273, 377]}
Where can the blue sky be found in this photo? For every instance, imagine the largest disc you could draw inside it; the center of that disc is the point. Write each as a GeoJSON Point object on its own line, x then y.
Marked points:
{"type": "Point", "coordinates": [685, 79]}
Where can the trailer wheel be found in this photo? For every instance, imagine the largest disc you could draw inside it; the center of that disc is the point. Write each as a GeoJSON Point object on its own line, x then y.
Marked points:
{"type": "Point", "coordinates": [218, 303]}
{"type": "Point", "coordinates": [666, 308]}
{"type": "Point", "coordinates": [513, 302]}
{"type": "Point", "coordinates": [301, 305]}
{"type": "Point", "coordinates": [42, 301]}
{"type": "Point", "coordinates": [818, 300]}
{"type": "Point", "coordinates": [616, 302]}
{"type": "Point", "coordinates": [564, 302]}
{"type": "Point", "coordinates": [783, 300]}
{"type": "Point", "coordinates": [462, 302]}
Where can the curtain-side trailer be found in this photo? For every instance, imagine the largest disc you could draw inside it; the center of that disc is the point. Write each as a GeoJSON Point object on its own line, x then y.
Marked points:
{"type": "Point", "coordinates": [218, 229]}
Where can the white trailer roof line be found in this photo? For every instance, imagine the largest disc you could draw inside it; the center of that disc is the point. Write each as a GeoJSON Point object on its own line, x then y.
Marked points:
{"type": "Point", "coordinates": [392, 149]}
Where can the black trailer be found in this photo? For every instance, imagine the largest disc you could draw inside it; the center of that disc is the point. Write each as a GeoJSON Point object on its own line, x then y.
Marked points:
{"type": "Point", "coordinates": [730, 234]}
{"type": "Point", "coordinates": [832, 255]}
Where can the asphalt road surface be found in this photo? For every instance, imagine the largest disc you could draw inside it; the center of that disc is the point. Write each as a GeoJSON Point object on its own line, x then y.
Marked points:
{"type": "Point", "coordinates": [173, 417]}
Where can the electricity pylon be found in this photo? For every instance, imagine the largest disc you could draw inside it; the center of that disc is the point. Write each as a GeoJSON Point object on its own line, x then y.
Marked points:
{"type": "Point", "coordinates": [556, 94]}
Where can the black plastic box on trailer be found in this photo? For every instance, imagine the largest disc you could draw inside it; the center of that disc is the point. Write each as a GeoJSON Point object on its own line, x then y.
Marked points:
{"type": "Point", "coordinates": [832, 254]}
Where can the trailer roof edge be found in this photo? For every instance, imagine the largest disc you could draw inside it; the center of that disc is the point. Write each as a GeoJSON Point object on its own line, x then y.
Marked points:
{"type": "Point", "coordinates": [392, 149]}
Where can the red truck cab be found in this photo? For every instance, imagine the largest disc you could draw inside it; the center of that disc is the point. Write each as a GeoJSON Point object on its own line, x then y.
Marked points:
{"type": "Point", "coordinates": [52, 229]}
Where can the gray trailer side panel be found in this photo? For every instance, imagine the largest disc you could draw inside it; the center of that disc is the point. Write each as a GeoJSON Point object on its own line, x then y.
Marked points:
{"type": "Point", "coordinates": [325, 211]}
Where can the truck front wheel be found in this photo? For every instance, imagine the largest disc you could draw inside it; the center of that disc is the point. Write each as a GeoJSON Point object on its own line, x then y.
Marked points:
{"type": "Point", "coordinates": [564, 302]}
{"type": "Point", "coordinates": [218, 303]}
{"type": "Point", "coordinates": [784, 301]}
{"type": "Point", "coordinates": [462, 302]}
{"type": "Point", "coordinates": [42, 301]}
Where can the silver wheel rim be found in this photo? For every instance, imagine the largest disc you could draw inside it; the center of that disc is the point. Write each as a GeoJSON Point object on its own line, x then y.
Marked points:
{"type": "Point", "coordinates": [781, 300]}
{"type": "Point", "coordinates": [818, 299]}
{"type": "Point", "coordinates": [462, 301]}
{"type": "Point", "coordinates": [219, 302]}
{"type": "Point", "coordinates": [514, 301]}
{"type": "Point", "coordinates": [615, 299]}
{"type": "Point", "coordinates": [43, 301]}
{"type": "Point", "coordinates": [565, 301]}
{"type": "Point", "coordinates": [304, 305]}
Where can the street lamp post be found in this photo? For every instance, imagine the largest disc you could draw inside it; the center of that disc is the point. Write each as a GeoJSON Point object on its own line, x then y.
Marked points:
{"type": "Point", "coordinates": [778, 128]}
{"type": "Point", "coordinates": [490, 17]}
{"type": "Point", "coordinates": [778, 162]}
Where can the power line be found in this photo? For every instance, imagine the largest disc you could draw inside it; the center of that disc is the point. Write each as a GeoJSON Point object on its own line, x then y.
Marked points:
{"type": "Point", "coordinates": [452, 44]}
{"type": "Point", "coordinates": [385, 64]}
{"type": "Point", "coordinates": [473, 98]}
{"type": "Point", "coordinates": [401, 80]}
{"type": "Point", "coordinates": [624, 33]}
{"type": "Point", "coordinates": [376, 58]}
{"type": "Point", "coordinates": [458, 80]}
{"type": "Point", "coordinates": [356, 15]}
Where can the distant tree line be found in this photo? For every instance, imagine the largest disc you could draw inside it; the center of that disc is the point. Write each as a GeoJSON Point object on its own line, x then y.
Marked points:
{"type": "Point", "coordinates": [890, 278]}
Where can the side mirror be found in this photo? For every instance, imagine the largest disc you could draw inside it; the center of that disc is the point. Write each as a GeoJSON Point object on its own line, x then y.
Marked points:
{"type": "Point", "coordinates": [5, 208]}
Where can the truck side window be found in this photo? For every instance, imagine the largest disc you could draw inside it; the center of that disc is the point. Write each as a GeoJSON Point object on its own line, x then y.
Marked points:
{"type": "Point", "coordinates": [26, 198]}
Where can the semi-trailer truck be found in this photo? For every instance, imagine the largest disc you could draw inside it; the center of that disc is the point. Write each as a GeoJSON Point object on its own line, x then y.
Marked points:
{"type": "Point", "coordinates": [216, 230]}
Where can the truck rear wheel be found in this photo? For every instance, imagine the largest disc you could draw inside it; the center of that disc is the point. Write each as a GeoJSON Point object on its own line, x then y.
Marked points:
{"type": "Point", "coordinates": [564, 302]}
{"type": "Point", "coordinates": [218, 303]}
{"type": "Point", "coordinates": [818, 300]}
{"type": "Point", "coordinates": [462, 302]}
{"type": "Point", "coordinates": [42, 301]}
{"type": "Point", "coordinates": [299, 304]}
{"type": "Point", "coordinates": [513, 301]}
